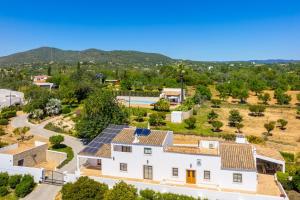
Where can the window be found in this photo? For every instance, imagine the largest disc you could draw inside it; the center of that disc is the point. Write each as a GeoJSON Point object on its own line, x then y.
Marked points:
{"type": "Point", "coordinates": [199, 162]}
{"type": "Point", "coordinates": [99, 162]}
{"type": "Point", "coordinates": [237, 178]}
{"type": "Point", "coordinates": [21, 162]}
{"type": "Point", "coordinates": [148, 172]}
{"type": "Point", "coordinates": [207, 175]}
{"type": "Point", "coordinates": [174, 171]}
{"type": "Point", "coordinates": [126, 148]}
{"type": "Point", "coordinates": [211, 145]}
{"type": "Point", "coordinates": [122, 148]}
{"type": "Point", "coordinates": [147, 151]}
{"type": "Point", "coordinates": [123, 167]}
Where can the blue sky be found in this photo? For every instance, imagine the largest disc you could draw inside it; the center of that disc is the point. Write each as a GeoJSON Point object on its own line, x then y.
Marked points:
{"type": "Point", "coordinates": [197, 30]}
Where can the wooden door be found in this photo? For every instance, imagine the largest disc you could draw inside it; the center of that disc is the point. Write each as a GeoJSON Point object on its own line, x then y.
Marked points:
{"type": "Point", "coordinates": [191, 176]}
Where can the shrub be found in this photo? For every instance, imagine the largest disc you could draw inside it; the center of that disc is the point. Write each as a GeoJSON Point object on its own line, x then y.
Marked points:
{"type": "Point", "coordinates": [3, 121]}
{"type": "Point", "coordinates": [216, 103]}
{"type": "Point", "coordinates": [282, 123]}
{"type": "Point", "coordinates": [53, 107]}
{"type": "Point", "coordinates": [122, 191]}
{"type": "Point", "coordinates": [156, 119]}
{"type": "Point", "coordinates": [227, 136]}
{"type": "Point", "coordinates": [84, 188]}
{"type": "Point", "coordinates": [234, 117]}
{"type": "Point", "coordinates": [202, 93]}
{"type": "Point", "coordinates": [269, 127]}
{"type": "Point", "coordinates": [148, 194]}
{"type": "Point", "coordinates": [37, 114]}
{"type": "Point", "coordinates": [3, 191]}
{"type": "Point", "coordinates": [216, 125]}
{"type": "Point", "coordinates": [4, 177]}
{"type": "Point", "coordinates": [56, 140]}
{"type": "Point", "coordinates": [255, 140]}
{"type": "Point", "coordinates": [264, 98]}
{"type": "Point", "coordinates": [2, 132]}
{"type": "Point", "coordinates": [14, 181]}
{"type": "Point", "coordinates": [211, 116]}
{"type": "Point", "coordinates": [66, 110]}
{"type": "Point", "coordinates": [2, 144]}
{"type": "Point", "coordinates": [257, 110]}
{"type": "Point", "coordinates": [288, 157]}
{"type": "Point", "coordinates": [283, 178]}
{"type": "Point", "coordinates": [25, 186]}
{"type": "Point", "coordinates": [190, 122]}
{"type": "Point", "coordinates": [162, 105]}
{"type": "Point", "coordinates": [8, 114]}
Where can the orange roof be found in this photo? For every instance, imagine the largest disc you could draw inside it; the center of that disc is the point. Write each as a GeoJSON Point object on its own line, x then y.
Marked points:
{"type": "Point", "coordinates": [268, 152]}
{"type": "Point", "coordinates": [237, 156]}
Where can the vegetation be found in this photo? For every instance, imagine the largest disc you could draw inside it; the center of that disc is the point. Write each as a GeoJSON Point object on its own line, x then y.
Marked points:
{"type": "Point", "coordinates": [269, 127]}
{"type": "Point", "coordinates": [190, 122]}
{"type": "Point", "coordinates": [257, 110]}
{"type": "Point", "coordinates": [162, 105]}
{"type": "Point", "coordinates": [52, 127]}
{"type": "Point", "coordinates": [282, 123]}
{"type": "Point", "coordinates": [265, 98]}
{"type": "Point", "coordinates": [217, 125]}
{"type": "Point", "coordinates": [16, 185]}
{"type": "Point", "coordinates": [56, 141]}
{"type": "Point", "coordinates": [157, 119]}
{"type": "Point", "coordinates": [99, 110]}
{"type": "Point", "coordinates": [235, 118]}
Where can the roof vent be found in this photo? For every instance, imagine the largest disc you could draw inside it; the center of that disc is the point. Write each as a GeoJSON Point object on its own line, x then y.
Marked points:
{"type": "Point", "coordinates": [136, 139]}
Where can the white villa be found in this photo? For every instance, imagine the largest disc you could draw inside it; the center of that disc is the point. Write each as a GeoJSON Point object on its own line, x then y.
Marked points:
{"type": "Point", "coordinates": [128, 153]}
{"type": "Point", "coordinates": [172, 94]}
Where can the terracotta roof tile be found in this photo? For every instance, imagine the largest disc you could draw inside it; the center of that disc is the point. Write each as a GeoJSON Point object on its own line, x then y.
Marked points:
{"type": "Point", "coordinates": [155, 138]}
{"type": "Point", "coordinates": [104, 151]}
{"type": "Point", "coordinates": [268, 152]}
{"type": "Point", "coordinates": [237, 156]}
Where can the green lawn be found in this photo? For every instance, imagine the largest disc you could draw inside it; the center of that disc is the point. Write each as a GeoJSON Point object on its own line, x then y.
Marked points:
{"type": "Point", "coordinates": [68, 151]}
{"type": "Point", "coordinates": [202, 127]}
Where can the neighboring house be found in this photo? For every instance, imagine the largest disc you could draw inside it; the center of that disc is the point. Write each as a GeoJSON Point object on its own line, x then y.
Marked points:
{"type": "Point", "coordinates": [172, 94]}
{"type": "Point", "coordinates": [10, 97]}
{"type": "Point", "coordinates": [29, 158]}
{"type": "Point", "coordinates": [41, 81]}
{"type": "Point", "coordinates": [150, 155]}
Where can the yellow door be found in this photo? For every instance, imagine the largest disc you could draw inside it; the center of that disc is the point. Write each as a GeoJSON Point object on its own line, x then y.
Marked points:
{"type": "Point", "coordinates": [191, 176]}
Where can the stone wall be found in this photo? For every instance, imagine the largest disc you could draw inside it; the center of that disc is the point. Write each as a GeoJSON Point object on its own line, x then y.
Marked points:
{"type": "Point", "coordinates": [32, 156]}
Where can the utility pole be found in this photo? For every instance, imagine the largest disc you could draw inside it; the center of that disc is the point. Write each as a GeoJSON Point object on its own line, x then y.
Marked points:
{"type": "Point", "coordinates": [181, 81]}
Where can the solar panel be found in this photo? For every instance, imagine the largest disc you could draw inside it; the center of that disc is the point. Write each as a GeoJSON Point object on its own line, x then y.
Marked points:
{"type": "Point", "coordinates": [142, 131]}
{"type": "Point", "coordinates": [106, 136]}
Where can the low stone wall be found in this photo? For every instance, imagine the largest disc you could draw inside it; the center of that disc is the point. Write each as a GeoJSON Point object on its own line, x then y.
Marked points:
{"type": "Point", "coordinates": [32, 156]}
{"type": "Point", "coordinates": [55, 157]}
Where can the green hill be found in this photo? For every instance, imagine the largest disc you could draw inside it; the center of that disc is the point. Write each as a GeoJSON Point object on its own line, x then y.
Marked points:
{"type": "Point", "coordinates": [47, 54]}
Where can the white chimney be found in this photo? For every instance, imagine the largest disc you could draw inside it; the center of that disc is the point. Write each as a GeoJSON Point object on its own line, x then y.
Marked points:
{"type": "Point", "coordinates": [136, 139]}
{"type": "Point", "coordinates": [241, 139]}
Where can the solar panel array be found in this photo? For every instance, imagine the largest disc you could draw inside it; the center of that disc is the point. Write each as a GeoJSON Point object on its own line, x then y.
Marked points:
{"type": "Point", "coordinates": [106, 136]}
{"type": "Point", "coordinates": [142, 132]}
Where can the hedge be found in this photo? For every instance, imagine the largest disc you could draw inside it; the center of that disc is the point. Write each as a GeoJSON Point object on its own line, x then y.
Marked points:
{"type": "Point", "coordinates": [3, 191]}
{"type": "Point", "coordinates": [4, 177]}
{"type": "Point", "coordinates": [14, 181]}
{"type": "Point", "coordinates": [3, 121]}
{"type": "Point", "coordinates": [25, 186]}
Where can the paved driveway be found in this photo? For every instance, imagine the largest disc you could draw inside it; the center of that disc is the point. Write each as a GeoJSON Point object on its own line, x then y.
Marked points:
{"type": "Point", "coordinates": [43, 191]}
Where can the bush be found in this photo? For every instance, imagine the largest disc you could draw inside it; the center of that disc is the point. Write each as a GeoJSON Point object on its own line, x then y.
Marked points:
{"type": "Point", "coordinates": [148, 194]}
{"type": "Point", "coordinates": [4, 177]}
{"type": "Point", "coordinates": [2, 132]}
{"type": "Point", "coordinates": [282, 123]}
{"type": "Point", "coordinates": [255, 140]}
{"type": "Point", "coordinates": [8, 114]}
{"type": "Point", "coordinates": [84, 188]}
{"type": "Point", "coordinates": [202, 93]}
{"type": "Point", "coordinates": [122, 191]}
{"type": "Point", "coordinates": [56, 140]}
{"type": "Point", "coordinates": [257, 110]}
{"type": "Point", "coordinates": [190, 122]}
{"type": "Point", "coordinates": [3, 121]}
{"type": "Point", "coordinates": [216, 125]}
{"type": "Point", "coordinates": [229, 137]}
{"type": "Point", "coordinates": [283, 178]}
{"type": "Point", "coordinates": [3, 191]}
{"type": "Point", "coordinates": [235, 117]}
{"type": "Point", "coordinates": [25, 186]}
{"type": "Point", "coordinates": [162, 105]}
{"type": "Point", "coordinates": [288, 157]}
{"type": "Point", "coordinates": [14, 181]}
{"type": "Point", "coordinates": [216, 103]}
{"type": "Point", "coordinates": [157, 119]}
{"type": "Point", "coordinates": [66, 110]}
{"type": "Point", "coordinates": [269, 127]}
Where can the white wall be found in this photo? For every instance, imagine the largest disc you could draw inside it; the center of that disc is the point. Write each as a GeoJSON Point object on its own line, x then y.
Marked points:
{"type": "Point", "coordinates": [195, 192]}
{"type": "Point", "coordinates": [249, 180]}
{"type": "Point", "coordinates": [6, 160]}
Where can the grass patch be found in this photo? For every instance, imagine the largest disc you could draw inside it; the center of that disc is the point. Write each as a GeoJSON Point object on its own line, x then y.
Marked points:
{"type": "Point", "coordinates": [10, 196]}
{"type": "Point", "coordinates": [52, 127]}
{"type": "Point", "coordinates": [64, 149]}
